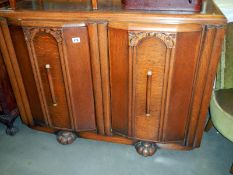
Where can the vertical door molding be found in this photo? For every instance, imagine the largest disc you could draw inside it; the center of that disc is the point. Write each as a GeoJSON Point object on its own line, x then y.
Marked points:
{"type": "Point", "coordinates": [98, 35]}
{"type": "Point", "coordinates": [104, 63]}
{"type": "Point", "coordinates": [57, 34]}
{"type": "Point", "coordinates": [210, 55]}
{"type": "Point", "coordinates": [215, 57]}
{"type": "Point", "coordinates": [96, 75]}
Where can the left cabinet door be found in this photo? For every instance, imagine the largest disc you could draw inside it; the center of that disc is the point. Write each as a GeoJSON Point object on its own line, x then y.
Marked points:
{"type": "Point", "coordinates": [55, 65]}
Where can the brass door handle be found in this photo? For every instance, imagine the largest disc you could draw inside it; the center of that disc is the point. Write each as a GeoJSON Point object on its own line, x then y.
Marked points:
{"type": "Point", "coordinates": [148, 92]}
{"type": "Point", "coordinates": [51, 86]}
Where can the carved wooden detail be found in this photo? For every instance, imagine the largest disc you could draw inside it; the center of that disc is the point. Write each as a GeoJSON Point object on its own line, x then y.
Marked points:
{"type": "Point", "coordinates": [168, 38]}
{"type": "Point", "coordinates": [211, 26]}
{"type": "Point", "coordinates": [30, 33]}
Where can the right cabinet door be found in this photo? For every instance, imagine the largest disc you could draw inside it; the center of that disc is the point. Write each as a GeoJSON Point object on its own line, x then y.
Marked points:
{"type": "Point", "coordinates": [152, 71]}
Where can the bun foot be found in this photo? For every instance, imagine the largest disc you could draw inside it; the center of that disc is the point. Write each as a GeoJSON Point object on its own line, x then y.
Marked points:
{"type": "Point", "coordinates": [145, 148]}
{"type": "Point", "coordinates": [11, 131]}
{"type": "Point", "coordinates": [66, 137]}
{"type": "Point", "coordinates": [9, 120]}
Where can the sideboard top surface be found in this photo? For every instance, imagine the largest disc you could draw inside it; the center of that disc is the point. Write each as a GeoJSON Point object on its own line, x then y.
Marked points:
{"type": "Point", "coordinates": [109, 10]}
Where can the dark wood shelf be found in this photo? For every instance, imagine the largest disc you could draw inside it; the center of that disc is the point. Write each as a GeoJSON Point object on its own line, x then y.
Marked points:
{"type": "Point", "coordinates": [4, 3]}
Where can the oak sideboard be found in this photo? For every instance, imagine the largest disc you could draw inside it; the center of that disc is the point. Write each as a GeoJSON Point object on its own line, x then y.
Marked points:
{"type": "Point", "coordinates": [135, 77]}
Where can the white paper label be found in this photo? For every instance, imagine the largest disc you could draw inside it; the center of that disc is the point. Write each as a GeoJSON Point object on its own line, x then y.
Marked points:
{"type": "Point", "coordinates": [76, 40]}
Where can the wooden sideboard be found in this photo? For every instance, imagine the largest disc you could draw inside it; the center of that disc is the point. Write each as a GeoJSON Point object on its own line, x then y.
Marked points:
{"type": "Point", "coordinates": [125, 76]}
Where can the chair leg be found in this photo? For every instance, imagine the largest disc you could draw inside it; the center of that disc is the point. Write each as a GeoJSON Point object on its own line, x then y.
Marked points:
{"type": "Point", "coordinates": [209, 125]}
{"type": "Point", "coordinates": [231, 170]}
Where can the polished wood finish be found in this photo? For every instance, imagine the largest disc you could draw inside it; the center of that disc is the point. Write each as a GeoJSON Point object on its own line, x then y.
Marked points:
{"type": "Point", "coordinates": [113, 138]}
{"type": "Point", "coordinates": [111, 11]}
{"type": "Point", "coordinates": [213, 64]}
{"type": "Point", "coordinates": [170, 70]}
{"type": "Point", "coordinates": [181, 86]}
{"type": "Point", "coordinates": [80, 79]}
{"type": "Point", "coordinates": [96, 74]}
{"type": "Point", "coordinates": [11, 63]}
{"type": "Point", "coordinates": [119, 100]}
{"type": "Point", "coordinates": [12, 4]}
{"type": "Point", "coordinates": [104, 61]}
{"type": "Point", "coordinates": [64, 77]}
{"type": "Point", "coordinates": [209, 58]}
{"type": "Point", "coordinates": [145, 51]}
{"type": "Point", "coordinates": [57, 115]}
{"type": "Point", "coordinates": [114, 74]}
{"type": "Point", "coordinates": [25, 67]}
{"type": "Point", "coordinates": [94, 4]}
{"type": "Point", "coordinates": [95, 136]}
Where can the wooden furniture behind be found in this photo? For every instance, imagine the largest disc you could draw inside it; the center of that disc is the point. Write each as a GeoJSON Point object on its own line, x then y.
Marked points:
{"type": "Point", "coordinates": [12, 3]}
{"type": "Point", "coordinates": [8, 106]}
{"type": "Point", "coordinates": [113, 74]}
{"type": "Point", "coordinates": [3, 3]}
{"type": "Point", "coordinates": [178, 5]}
{"type": "Point", "coordinates": [182, 5]}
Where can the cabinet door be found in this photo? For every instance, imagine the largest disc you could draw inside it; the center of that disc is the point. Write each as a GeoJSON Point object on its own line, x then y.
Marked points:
{"type": "Point", "coordinates": [152, 70]}
{"type": "Point", "coordinates": [80, 75]}
{"type": "Point", "coordinates": [60, 63]}
{"type": "Point", "coordinates": [47, 59]}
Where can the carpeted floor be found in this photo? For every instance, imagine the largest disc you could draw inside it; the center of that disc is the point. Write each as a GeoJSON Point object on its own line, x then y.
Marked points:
{"type": "Point", "coordinates": [32, 152]}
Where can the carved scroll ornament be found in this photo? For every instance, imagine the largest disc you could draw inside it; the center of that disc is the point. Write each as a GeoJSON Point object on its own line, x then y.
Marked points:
{"type": "Point", "coordinates": [30, 33]}
{"type": "Point", "coordinates": [168, 38]}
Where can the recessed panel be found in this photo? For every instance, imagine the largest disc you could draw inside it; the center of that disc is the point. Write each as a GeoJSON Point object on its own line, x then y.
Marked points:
{"type": "Point", "coordinates": [47, 53]}
{"type": "Point", "coordinates": [78, 59]}
{"type": "Point", "coordinates": [150, 62]}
